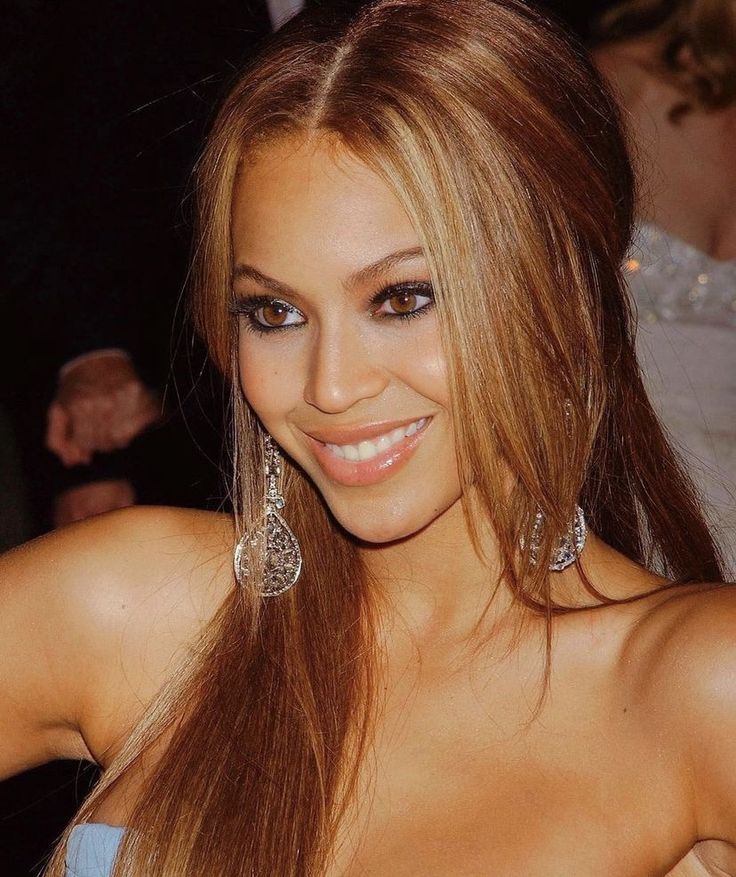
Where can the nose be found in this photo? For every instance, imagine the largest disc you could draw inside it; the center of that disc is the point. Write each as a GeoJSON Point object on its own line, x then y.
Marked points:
{"type": "Point", "coordinates": [343, 370]}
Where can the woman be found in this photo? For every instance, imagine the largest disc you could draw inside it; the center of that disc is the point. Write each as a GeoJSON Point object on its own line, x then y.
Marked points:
{"type": "Point", "coordinates": [411, 227]}
{"type": "Point", "coordinates": [673, 63]}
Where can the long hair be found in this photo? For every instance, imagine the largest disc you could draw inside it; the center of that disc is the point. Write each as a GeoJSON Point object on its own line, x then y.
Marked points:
{"type": "Point", "coordinates": [504, 147]}
{"type": "Point", "coordinates": [698, 54]}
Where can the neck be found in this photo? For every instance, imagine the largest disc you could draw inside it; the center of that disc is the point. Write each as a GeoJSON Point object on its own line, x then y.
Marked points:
{"type": "Point", "coordinates": [440, 591]}
{"type": "Point", "coordinates": [436, 582]}
{"type": "Point", "coordinates": [685, 170]}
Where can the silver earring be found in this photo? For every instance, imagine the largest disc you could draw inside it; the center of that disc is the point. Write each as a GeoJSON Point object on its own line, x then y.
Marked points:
{"type": "Point", "coordinates": [569, 549]}
{"type": "Point", "coordinates": [274, 541]}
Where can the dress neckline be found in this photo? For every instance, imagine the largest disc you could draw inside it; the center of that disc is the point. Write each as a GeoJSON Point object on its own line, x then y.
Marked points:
{"type": "Point", "coordinates": [99, 825]}
{"type": "Point", "coordinates": [650, 231]}
{"type": "Point", "coordinates": [673, 281]}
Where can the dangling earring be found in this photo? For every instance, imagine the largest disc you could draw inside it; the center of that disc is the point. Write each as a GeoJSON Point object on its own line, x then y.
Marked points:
{"type": "Point", "coordinates": [569, 548]}
{"type": "Point", "coordinates": [278, 546]}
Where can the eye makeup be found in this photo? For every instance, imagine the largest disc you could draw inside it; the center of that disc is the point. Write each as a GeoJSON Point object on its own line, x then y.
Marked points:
{"type": "Point", "coordinates": [265, 314]}
{"type": "Point", "coordinates": [404, 299]}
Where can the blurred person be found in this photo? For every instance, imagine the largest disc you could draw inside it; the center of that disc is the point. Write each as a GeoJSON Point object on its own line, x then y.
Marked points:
{"type": "Point", "coordinates": [673, 65]}
{"type": "Point", "coordinates": [101, 402]}
{"type": "Point", "coordinates": [95, 236]}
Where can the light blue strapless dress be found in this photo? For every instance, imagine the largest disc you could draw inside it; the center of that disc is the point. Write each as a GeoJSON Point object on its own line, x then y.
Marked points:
{"type": "Point", "coordinates": [91, 849]}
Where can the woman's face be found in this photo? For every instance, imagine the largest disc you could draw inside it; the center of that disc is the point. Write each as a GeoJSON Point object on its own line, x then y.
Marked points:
{"type": "Point", "coordinates": [339, 348]}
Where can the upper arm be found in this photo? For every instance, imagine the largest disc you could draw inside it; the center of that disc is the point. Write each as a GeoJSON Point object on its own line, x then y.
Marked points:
{"type": "Point", "coordinates": [91, 619]}
{"type": "Point", "coordinates": [41, 666]}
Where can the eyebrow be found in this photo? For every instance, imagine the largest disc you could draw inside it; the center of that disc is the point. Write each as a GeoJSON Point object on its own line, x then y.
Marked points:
{"type": "Point", "coordinates": [358, 278]}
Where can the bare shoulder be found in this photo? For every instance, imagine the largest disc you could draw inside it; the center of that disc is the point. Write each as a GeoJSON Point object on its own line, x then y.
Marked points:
{"type": "Point", "coordinates": [681, 663]}
{"type": "Point", "coordinates": [94, 617]}
{"type": "Point", "coordinates": [96, 575]}
{"type": "Point", "coordinates": [160, 557]}
{"type": "Point", "coordinates": [693, 623]}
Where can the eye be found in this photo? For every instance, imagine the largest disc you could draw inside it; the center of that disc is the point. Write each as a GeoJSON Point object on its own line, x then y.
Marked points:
{"type": "Point", "coordinates": [404, 301]}
{"type": "Point", "coordinates": [266, 314]}
{"type": "Point", "coordinates": [276, 314]}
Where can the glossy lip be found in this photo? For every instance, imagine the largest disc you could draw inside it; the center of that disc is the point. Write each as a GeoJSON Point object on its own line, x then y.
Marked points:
{"type": "Point", "coordinates": [353, 435]}
{"type": "Point", "coordinates": [364, 472]}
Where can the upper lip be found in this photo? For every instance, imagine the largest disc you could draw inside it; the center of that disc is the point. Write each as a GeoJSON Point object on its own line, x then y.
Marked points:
{"type": "Point", "coordinates": [351, 435]}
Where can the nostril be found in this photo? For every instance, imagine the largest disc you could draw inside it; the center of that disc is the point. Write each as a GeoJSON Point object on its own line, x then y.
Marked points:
{"type": "Point", "coordinates": [339, 377]}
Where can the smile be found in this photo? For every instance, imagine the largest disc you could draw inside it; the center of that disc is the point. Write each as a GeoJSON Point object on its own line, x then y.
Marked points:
{"type": "Point", "coordinates": [369, 449]}
{"type": "Point", "coordinates": [368, 456]}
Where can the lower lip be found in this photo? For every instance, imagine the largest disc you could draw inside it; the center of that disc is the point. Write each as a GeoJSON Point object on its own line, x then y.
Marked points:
{"type": "Point", "coordinates": [363, 472]}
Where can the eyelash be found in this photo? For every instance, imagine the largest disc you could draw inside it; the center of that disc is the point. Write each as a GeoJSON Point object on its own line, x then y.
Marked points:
{"type": "Point", "coordinates": [249, 306]}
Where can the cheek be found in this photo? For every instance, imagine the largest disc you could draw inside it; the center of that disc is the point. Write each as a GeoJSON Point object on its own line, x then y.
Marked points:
{"type": "Point", "coordinates": [267, 377]}
{"type": "Point", "coordinates": [421, 365]}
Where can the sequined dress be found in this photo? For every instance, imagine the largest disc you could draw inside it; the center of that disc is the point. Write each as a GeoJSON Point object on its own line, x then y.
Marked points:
{"type": "Point", "coordinates": [686, 344]}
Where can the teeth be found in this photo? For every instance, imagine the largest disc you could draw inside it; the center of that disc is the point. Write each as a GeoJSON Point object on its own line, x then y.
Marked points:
{"type": "Point", "coordinates": [383, 444]}
{"type": "Point", "coordinates": [367, 450]}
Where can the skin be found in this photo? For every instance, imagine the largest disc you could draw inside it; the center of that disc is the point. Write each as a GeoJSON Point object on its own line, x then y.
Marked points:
{"type": "Point", "coordinates": [686, 170]}
{"type": "Point", "coordinates": [627, 769]}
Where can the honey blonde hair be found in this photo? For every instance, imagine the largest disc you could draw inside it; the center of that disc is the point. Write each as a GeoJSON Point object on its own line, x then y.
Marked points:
{"type": "Point", "coordinates": [504, 147]}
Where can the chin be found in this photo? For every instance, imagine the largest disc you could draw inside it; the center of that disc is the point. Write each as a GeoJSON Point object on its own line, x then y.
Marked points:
{"type": "Point", "coordinates": [380, 525]}
{"type": "Point", "coordinates": [380, 534]}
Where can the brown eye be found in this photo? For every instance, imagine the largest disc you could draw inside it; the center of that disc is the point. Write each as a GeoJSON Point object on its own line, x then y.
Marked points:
{"type": "Point", "coordinates": [265, 315]}
{"type": "Point", "coordinates": [403, 302]}
{"type": "Point", "coordinates": [274, 314]}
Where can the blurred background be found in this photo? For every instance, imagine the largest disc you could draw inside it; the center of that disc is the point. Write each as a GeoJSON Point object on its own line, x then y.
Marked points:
{"type": "Point", "coordinates": [106, 398]}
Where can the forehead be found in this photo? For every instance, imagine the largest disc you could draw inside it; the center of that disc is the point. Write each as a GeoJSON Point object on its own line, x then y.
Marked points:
{"type": "Point", "coordinates": [314, 199]}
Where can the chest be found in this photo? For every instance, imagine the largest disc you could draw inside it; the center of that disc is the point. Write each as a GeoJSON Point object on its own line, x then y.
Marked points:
{"type": "Point", "coordinates": [460, 792]}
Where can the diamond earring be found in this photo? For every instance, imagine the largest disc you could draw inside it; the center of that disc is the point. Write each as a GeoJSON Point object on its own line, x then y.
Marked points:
{"type": "Point", "coordinates": [569, 548]}
{"type": "Point", "coordinates": [274, 541]}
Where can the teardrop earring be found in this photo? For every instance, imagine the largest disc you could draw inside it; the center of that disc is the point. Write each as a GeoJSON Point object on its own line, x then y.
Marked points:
{"type": "Point", "coordinates": [278, 546]}
{"type": "Point", "coordinates": [569, 549]}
